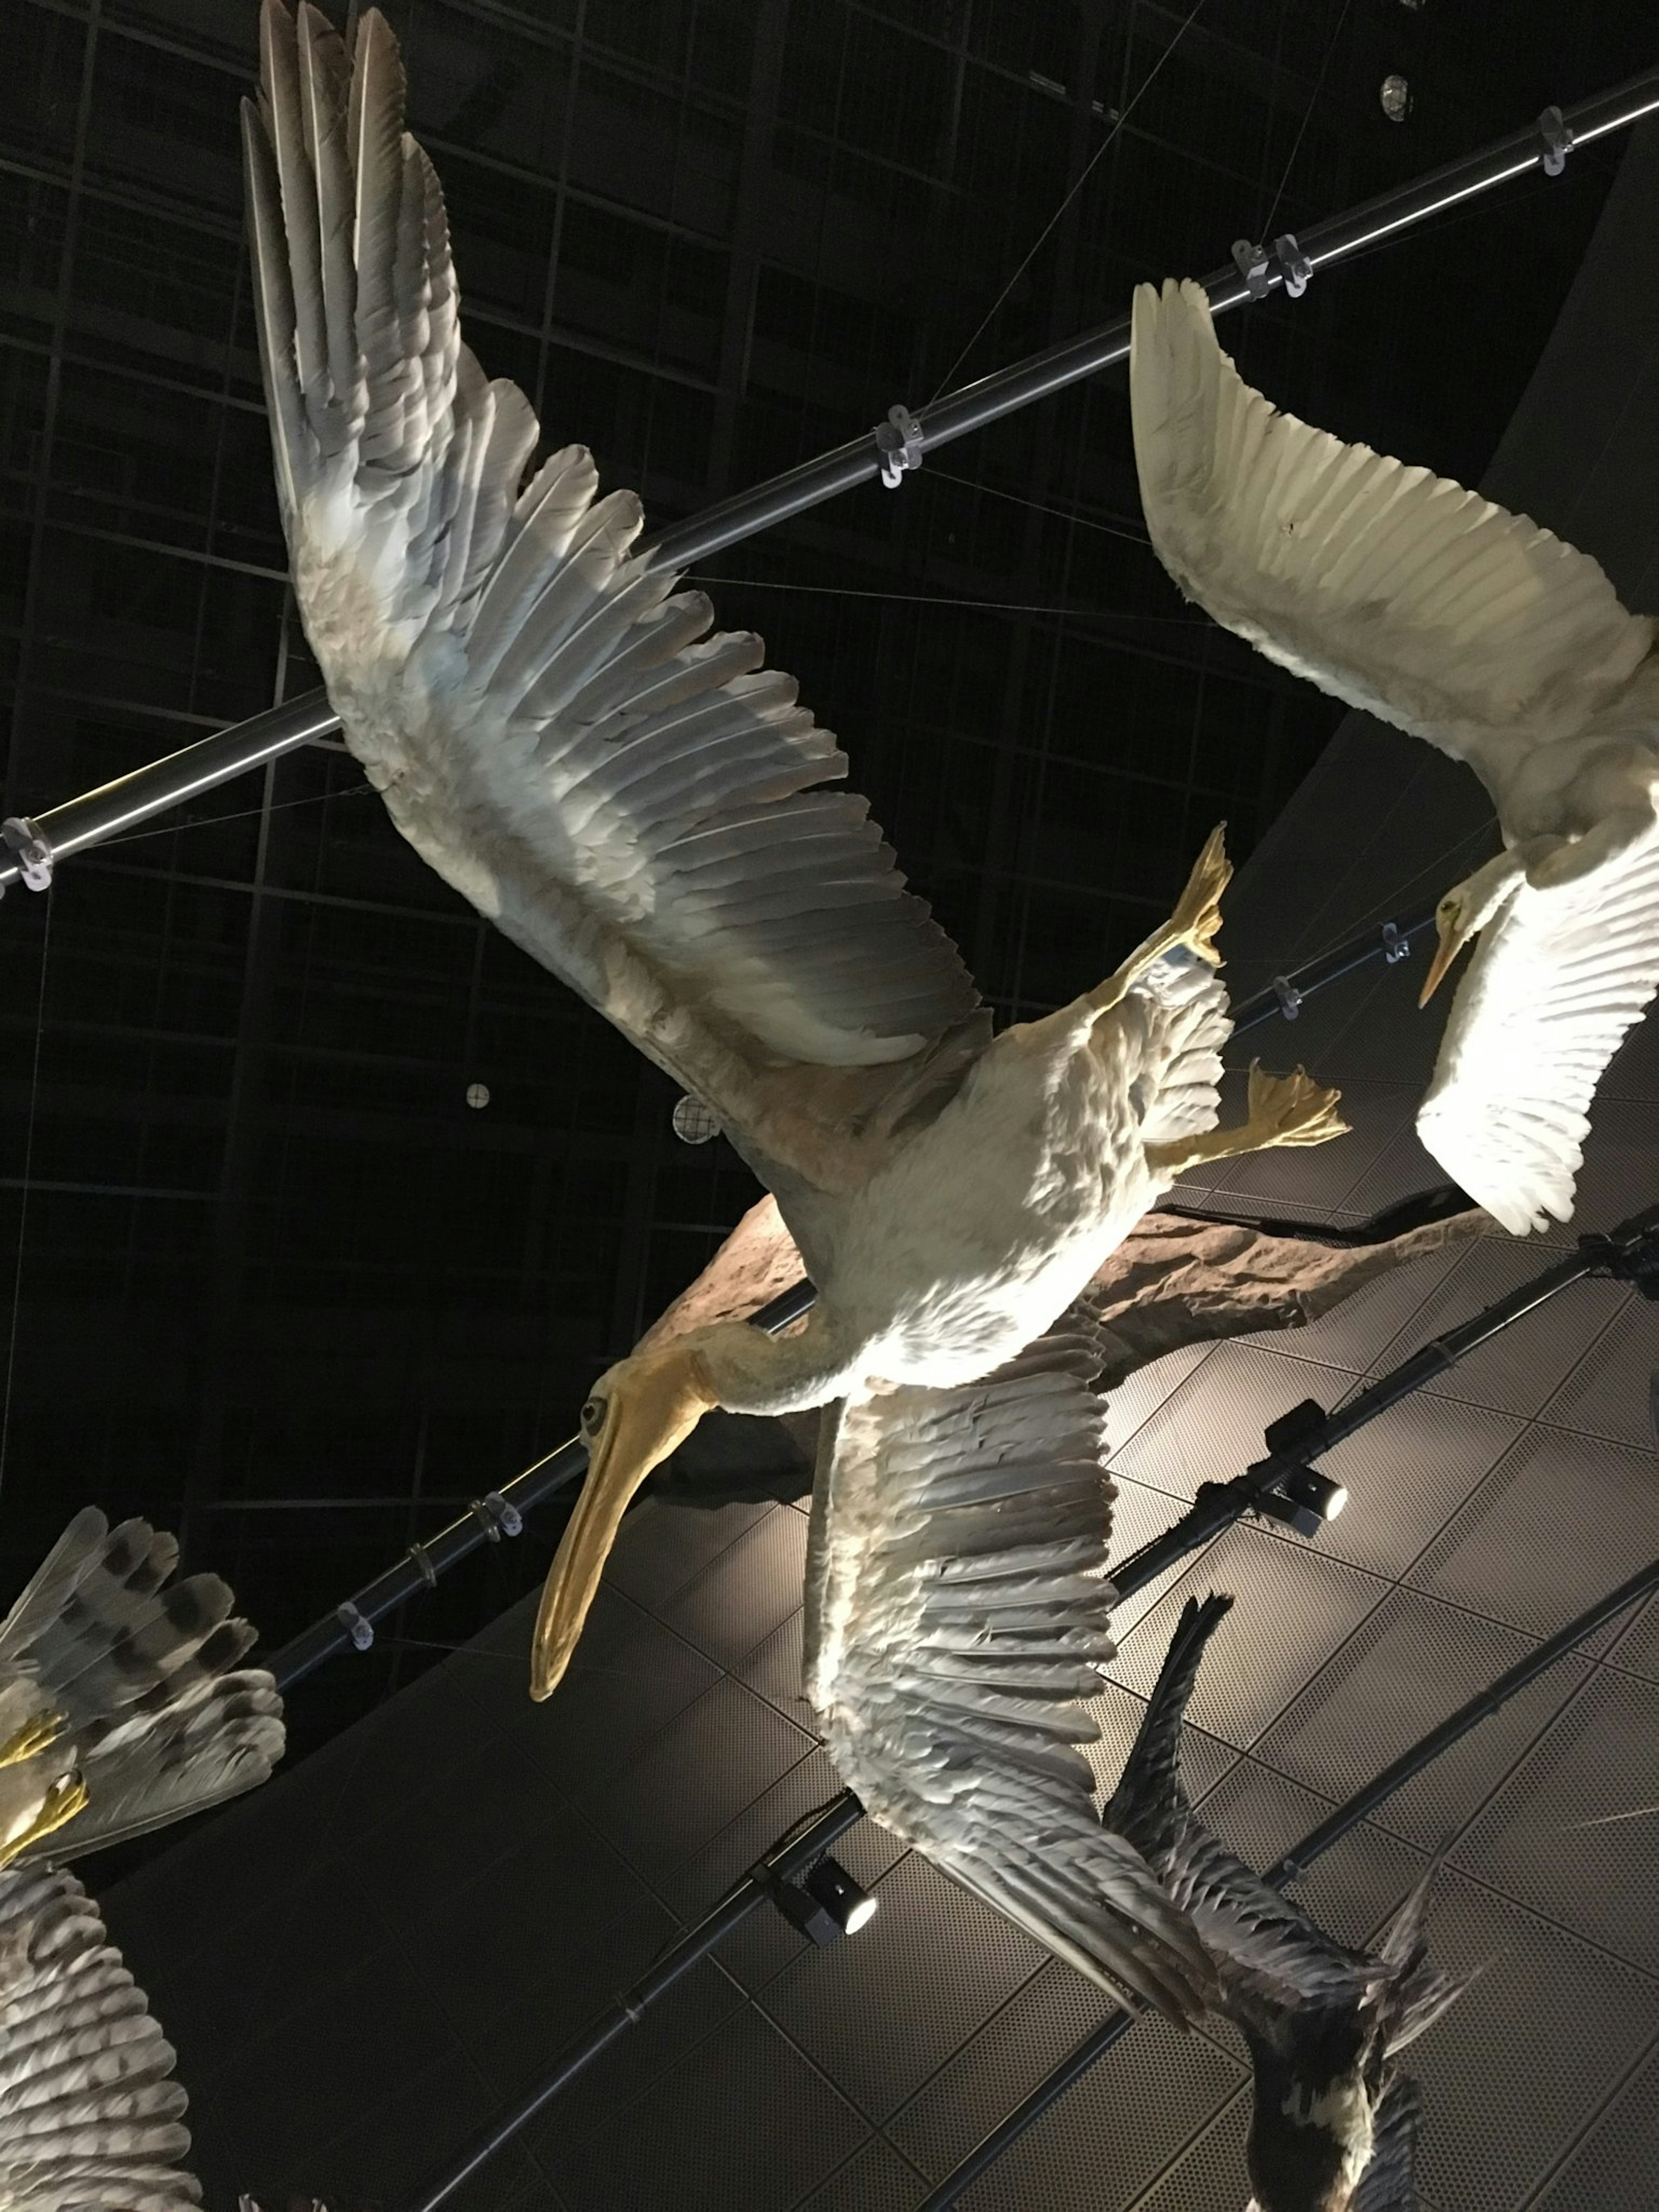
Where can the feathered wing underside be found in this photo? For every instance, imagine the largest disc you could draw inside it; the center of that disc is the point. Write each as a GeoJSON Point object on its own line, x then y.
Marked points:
{"type": "Point", "coordinates": [636, 802]}
{"type": "Point", "coordinates": [957, 1618]}
{"type": "Point", "coordinates": [157, 1714]}
{"type": "Point", "coordinates": [91, 2119]}
{"type": "Point", "coordinates": [1552, 988]}
{"type": "Point", "coordinates": [1395, 590]}
{"type": "Point", "coordinates": [1389, 2182]}
{"type": "Point", "coordinates": [1266, 1951]}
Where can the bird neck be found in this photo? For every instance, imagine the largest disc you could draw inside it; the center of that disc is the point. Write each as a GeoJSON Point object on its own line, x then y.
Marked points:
{"type": "Point", "coordinates": [751, 1372]}
{"type": "Point", "coordinates": [1491, 888]}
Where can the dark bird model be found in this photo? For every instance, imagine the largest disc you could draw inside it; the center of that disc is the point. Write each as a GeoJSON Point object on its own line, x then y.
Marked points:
{"type": "Point", "coordinates": [1333, 2123]}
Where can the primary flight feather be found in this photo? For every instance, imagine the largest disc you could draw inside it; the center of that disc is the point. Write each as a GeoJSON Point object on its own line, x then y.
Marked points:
{"type": "Point", "coordinates": [1402, 594]}
{"type": "Point", "coordinates": [640, 804]}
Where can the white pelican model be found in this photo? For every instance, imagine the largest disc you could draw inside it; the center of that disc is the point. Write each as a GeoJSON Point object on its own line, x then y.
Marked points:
{"type": "Point", "coordinates": [1403, 594]}
{"type": "Point", "coordinates": [641, 810]}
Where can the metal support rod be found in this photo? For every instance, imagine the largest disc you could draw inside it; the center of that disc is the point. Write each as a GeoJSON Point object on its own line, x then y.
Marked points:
{"type": "Point", "coordinates": [1308, 1432]}
{"type": "Point", "coordinates": [352, 1622]}
{"type": "Point", "coordinates": [100, 814]}
{"type": "Point", "coordinates": [788, 1857]}
{"type": "Point", "coordinates": [1294, 1862]}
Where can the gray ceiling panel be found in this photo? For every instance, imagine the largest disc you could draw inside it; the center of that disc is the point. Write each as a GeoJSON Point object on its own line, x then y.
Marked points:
{"type": "Point", "coordinates": [875, 2179]}
{"type": "Point", "coordinates": [883, 2011]}
{"type": "Point", "coordinates": [1609, 1392]}
{"type": "Point", "coordinates": [1211, 1427]}
{"type": "Point", "coordinates": [1527, 2056]}
{"type": "Point", "coordinates": [1209, 2174]}
{"type": "Point", "coordinates": [1406, 1473]}
{"type": "Point", "coordinates": [1138, 1397]}
{"type": "Point", "coordinates": [741, 2123]}
{"type": "Point", "coordinates": [691, 1779]}
{"type": "Point", "coordinates": [1559, 1521]}
{"type": "Point", "coordinates": [1571, 1832]}
{"type": "Point", "coordinates": [662, 1545]}
{"type": "Point", "coordinates": [774, 1671]}
{"type": "Point", "coordinates": [735, 1603]}
{"type": "Point", "coordinates": [1412, 1664]}
{"type": "Point", "coordinates": [1613, 2169]}
{"type": "Point", "coordinates": [1520, 1367]}
{"type": "Point", "coordinates": [1294, 1608]}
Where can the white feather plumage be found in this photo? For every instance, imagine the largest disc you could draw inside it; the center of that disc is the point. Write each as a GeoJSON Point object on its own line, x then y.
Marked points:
{"type": "Point", "coordinates": [1403, 594]}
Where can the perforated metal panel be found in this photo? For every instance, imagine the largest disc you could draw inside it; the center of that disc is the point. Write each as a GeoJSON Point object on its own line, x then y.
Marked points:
{"type": "Point", "coordinates": [1616, 2162]}
{"type": "Point", "coordinates": [875, 2179]}
{"type": "Point", "coordinates": [1212, 1426]}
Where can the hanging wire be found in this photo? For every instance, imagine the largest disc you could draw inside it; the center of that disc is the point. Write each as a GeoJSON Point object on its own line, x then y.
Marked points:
{"type": "Point", "coordinates": [23, 1202]}
{"type": "Point", "coordinates": [1313, 102]}
{"type": "Point", "coordinates": [1140, 94]}
{"type": "Point", "coordinates": [245, 814]}
{"type": "Point", "coordinates": [938, 599]}
{"type": "Point", "coordinates": [1040, 506]}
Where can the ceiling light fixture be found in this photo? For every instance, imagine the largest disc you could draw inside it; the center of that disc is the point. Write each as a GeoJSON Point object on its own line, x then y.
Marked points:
{"type": "Point", "coordinates": [825, 1903]}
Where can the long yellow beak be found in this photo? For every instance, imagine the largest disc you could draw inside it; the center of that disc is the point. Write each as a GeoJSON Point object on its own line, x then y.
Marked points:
{"type": "Point", "coordinates": [653, 1405]}
{"type": "Point", "coordinates": [1444, 953]}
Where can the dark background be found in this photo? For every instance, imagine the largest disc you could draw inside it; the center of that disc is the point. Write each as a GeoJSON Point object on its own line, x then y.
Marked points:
{"type": "Point", "coordinates": [278, 1285]}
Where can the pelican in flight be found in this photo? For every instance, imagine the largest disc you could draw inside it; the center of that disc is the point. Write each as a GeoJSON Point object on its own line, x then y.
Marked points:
{"type": "Point", "coordinates": [639, 805]}
{"type": "Point", "coordinates": [1402, 594]}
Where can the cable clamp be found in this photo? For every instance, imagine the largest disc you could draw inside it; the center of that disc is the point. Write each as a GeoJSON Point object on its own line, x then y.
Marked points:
{"type": "Point", "coordinates": [34, 854]}
{"type": "Point", "coordinates": [1289, 997]}
{"type": "Point", "coordinates": [1251, 262]}
{"type": "Point", "coordinates": [1295, 264]}
{"type": "Point", "coordinates": [428, 1572]}
{"type": "Point", "coordinates": [1555, 135]}
{"type": "Point", "coordinates": [1395, 948]}
{"type": "Point", "coordinates": [357, 1625]}
{"type": "Point", "coordinates": [898, 441]}
{"type": "Point", "coordinates": [496, 1517]}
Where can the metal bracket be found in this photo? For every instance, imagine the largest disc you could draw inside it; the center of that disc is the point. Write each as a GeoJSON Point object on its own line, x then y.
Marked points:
{"type": "Point", "coordinates": [1289, 997]}
{"type": "Point", "coordinates": [898, 441]}
{"type": "Point", "coordinates": [357, 1625]}
{"type": "Point", "coordinates": [34, 854]}
{"type": "Point", "coordinates": [428, 1573]}
{"type": "Point", "coordinates": [1251, 262]}
{"type": "Point", "coordinates": [1555, 135]}
{"type": "Point", "coordinates": [495, 1516]}
{"type": "Point", "coordinates": [1395, 948]}
{"type": "Point", "coordinates": [1295, 264]}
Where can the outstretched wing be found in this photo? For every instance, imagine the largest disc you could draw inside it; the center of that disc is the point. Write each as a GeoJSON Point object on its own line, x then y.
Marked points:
{"type": "Point", "coordinates": [1269, 1954]}
{"type": "Point", "coordinates": [635, 802]}
{"type": "Point", "coordinates": [91, 2119]}
{"type": "Point", "coordinates": [138, 1674]}
{"type": "Point", "coordinates": [1553, 987]}
{"type": "Point", "coordinates": [1388, 2183]}
{"type": "Point", "coordinates": [1394, 589]}
{"type": "Point", "coordinates": [957, 1618]}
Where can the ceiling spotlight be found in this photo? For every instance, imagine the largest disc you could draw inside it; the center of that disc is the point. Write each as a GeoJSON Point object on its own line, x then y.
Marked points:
{"type": "Point", "coordinates": [477, 1096]}
{"type": "Point", "coordinates": [1396, 97]}
{"type": "Point", "coordinates": [1305, 1500]}
{"type": "Point", "coordinates": [826, 1904]}
{"type": "Point", "coordinates": [693, 1123]}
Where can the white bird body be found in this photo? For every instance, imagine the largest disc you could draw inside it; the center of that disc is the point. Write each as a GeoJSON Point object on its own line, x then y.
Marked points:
{"type": "Point", "coordinates": [1405, 595]}
{"type": "Point", "coordinates": [640, 806]}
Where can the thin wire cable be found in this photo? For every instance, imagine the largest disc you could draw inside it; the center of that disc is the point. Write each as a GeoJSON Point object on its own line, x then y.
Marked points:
{"type": "Point", "coordinates": [931, 600]}
{"type": "Point", "coordinates": [1042, 506]}
{"type": "Point", "coordinates": [245, 814]}
{"type": "Point", "coordinates": [1111, 139]}
{"type": "Point", "coordinates": [1319, 86]}
{"type": "Point", "coordinates": [23, 1202]}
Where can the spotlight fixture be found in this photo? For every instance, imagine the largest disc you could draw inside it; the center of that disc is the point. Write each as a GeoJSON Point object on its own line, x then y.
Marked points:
{"type": "Point", "coordinates": [477, 1096]}
{"type": "Point", "coordinates": [693, 1123]}
{"type": "Point", "coordinates": [1305, 1500]}
{"type": "Point", "coordinates": [1395, 95]}
{"type": "Point", "coordinates": [825, 1904]}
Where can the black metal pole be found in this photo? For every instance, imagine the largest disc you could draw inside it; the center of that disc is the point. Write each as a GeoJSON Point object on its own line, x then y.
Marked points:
{"type": "Point", "coordinates": [1308, 1432]}
{"type": "Point", "coordinates": [79, 823]}
{"type": "Point", "coordinates": [1330, 1830]}
{"type": "Point", "coordinates": [786, 1857]}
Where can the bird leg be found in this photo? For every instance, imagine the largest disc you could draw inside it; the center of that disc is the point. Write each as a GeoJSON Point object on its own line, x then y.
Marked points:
{"type": "Point", "coordinates": [38, 1733]}
{"type": "Point", "coordinates": [1193, 924]}
{"type": "Point", "coordinates": [66, 1797]}
{"type": "Point", "coordinates": [1284, 1110]}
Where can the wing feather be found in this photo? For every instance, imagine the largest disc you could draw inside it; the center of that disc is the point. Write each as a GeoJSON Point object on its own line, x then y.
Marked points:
{"type": "Point", "coordinates": [1395, 590]}
{"type": "Point", "coordinates": [1554, 985]}
{"type": "Point", "coordinates": [959, 1619]}
{"type": "Point", "coordinates": [637, 804]}
{"type": "Point", "coordinates": [90, 2117]}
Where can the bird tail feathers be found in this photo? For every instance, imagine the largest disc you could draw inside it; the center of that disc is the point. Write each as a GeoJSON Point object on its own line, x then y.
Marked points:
{"type": "Point", "coordinates": [1149, 1791]}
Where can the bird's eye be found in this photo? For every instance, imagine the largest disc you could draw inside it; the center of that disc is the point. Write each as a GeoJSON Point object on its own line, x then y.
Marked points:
{"type": "Point", "coordinates": [592, 1417]}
